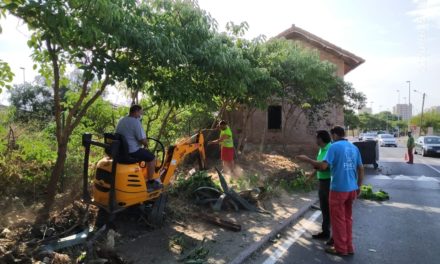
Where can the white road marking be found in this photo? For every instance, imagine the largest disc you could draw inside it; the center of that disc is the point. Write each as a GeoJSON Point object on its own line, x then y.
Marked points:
{"type": "Point", "coordinates": [406, 178]}
{"type": "Point", "coordinates": [381, 177]}
{"type": "Point", "coordinates": [275, 256]}
{"type": "Point", "coordinates": [429, 166]}
{"type": "Point", "coordinates": [424, 178]}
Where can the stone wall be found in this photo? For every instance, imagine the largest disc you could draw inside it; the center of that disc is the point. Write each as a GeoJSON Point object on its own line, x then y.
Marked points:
{"type": "Point", "coordinates": [300, 133]}
{"type": "Point", "coordinates": [325, 56]}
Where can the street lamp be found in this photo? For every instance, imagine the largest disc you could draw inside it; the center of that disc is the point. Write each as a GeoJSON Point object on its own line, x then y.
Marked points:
{"type": "Point", "coordinates": [423, 105]}
{"type": "Point", "coordinates": [409, 100]}
{"type": "Point", "coordinates": [24, 76]}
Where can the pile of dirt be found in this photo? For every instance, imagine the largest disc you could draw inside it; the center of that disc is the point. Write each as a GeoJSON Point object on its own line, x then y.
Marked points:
{"type": "Point", "coordinates": [267, 164]}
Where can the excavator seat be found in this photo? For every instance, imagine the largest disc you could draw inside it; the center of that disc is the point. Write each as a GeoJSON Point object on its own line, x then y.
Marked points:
{"type": "Point", "coordinates": [123, 157]}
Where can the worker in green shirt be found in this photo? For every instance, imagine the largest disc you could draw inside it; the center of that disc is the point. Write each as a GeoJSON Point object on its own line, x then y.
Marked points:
{"type": "Point", "coordinates": [227, 146]}
{"type": "Point", "coordinates": [410, 144]}
{"type": "Point", "coordinates": [323, 140]}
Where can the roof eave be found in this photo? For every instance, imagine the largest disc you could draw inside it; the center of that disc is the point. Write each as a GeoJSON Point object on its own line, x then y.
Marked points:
{"type": "Point", "coordinates": [351, 61]}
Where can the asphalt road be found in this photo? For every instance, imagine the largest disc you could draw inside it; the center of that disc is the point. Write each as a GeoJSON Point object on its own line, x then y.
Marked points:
{"type": "Point", "coordinates": [405, 229]}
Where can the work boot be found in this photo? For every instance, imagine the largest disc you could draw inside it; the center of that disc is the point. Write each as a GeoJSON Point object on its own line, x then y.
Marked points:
{"type": "Point", "coordinates": [315, 207]}
{"type": "Point", "coordinates": [330, 242]}
{"type": "Point", "coordinates": [321, 235]}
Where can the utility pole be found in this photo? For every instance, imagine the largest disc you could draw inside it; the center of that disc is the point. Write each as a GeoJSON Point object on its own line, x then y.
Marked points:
{"type": "Point", "coordinates": [423, 106]}
{"type": "Point", "coordinates": [409, 105]}
{"type": "Point", "coordinates": [387, 120]}
{"type": "Point", "coordinates": [409, 98]}
{"type": "Point", "coordinates": [421, 117]}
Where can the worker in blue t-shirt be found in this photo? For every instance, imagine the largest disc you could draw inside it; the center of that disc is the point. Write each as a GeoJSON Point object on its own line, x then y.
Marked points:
{"type": "Point", "coordinates": [347, 172]}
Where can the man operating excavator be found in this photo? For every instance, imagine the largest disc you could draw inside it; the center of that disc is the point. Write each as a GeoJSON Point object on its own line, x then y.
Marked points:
{"type": "Point", "coordinates": [131, 128]}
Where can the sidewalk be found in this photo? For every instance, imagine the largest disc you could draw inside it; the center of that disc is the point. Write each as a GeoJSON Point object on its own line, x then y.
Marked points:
{"type": "Point", "coordinates": [141, 246]}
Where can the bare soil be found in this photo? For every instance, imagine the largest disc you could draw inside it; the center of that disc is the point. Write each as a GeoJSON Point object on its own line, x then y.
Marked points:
{"type": "Point", "coordinates": [158, 246]}
{"type": "Point", "coordinates": [184, 232]}
{"type": "Point", "coordinates": [175, 242]}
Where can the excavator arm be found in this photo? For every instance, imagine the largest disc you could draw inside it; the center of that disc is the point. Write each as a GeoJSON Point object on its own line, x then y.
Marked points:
{"type": "Point", "coordinates": [175, 155]}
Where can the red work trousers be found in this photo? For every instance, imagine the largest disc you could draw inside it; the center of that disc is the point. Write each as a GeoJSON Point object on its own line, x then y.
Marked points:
{"type": "Point", "coordinates": [341, 218]}
{"type": "Point", "coordinates": [410, 155]}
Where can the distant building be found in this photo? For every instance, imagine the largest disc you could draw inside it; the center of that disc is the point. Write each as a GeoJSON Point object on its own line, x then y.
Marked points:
{"type": "Point", "coordinates": [365, 110]}
{"type": "Point", "coordinates": [403, 111]}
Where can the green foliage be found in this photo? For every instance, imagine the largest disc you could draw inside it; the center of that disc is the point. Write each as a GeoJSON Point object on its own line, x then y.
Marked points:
{"type": "Point", "coordinates": [300, 182]}
{"type": "Point", "coordinates": [352, 98]}
{"type": "Point", "coordinates": [171, 54]}
{"type": "Point", "coordinates": [32, 102]}
{"type": "Point", "coordinates": [430, 119]}
{"type": "Point", "coordinates": [382, 121]}
{"type": "Point", "coordinates": [249, 181]}
{"type": "Point", "coordinates": [25, 169]}
{"type": "Point", "coordinates": [101, 117]}
{"type": "Point", "coordinates": [351, 119]}
{"type": "Point", "coordinates": [37, 147]}
{"type": "Point", "coordinates": [371, 122]}
{"type": "Point", "coordinates": [6, 75]}
{"type": "Point", "coordinates": [186, 186]}
{"type": "Point", "coordinates": [368, 194]}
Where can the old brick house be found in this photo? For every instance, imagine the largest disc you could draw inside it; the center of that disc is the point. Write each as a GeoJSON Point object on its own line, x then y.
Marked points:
{"type": "Point", "coordinates": [270, 121]}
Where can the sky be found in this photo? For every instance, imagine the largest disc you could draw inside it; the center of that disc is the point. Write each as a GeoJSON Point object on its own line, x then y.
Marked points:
{"type": "Point", "coordinates": [399, 39]}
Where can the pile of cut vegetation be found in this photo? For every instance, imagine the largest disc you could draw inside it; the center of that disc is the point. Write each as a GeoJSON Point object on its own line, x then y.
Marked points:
{"type": "Point", "coordinates": [367, 193]}
{"type": "Point", "coordinates": [186, 186]}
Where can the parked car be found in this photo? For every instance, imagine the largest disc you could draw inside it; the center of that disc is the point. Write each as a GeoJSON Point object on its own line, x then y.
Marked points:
{"type": "Point", "coordinates": [361, 137]}
{"type": "Point", "coordinates": [428, 145]}
{"type": "Point", "coordinates": [369, 136]}
{"type": "Point", "coordinates": [386, 140]}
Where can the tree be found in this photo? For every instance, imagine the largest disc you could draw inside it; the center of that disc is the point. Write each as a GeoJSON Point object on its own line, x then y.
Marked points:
{"type": "Point", "coordinates": [103, 39]}
{"type": "Point", "coordinates": [214, 71]}
{"type": "Point", "coordinates": [101, 117]}
{"type": "Point", "coordinates": [6, 74]}
{"type": "Point", "coordinates": [253, 86]}
{"type": "Point", "coordinates": [430, 119]}
{"type": "Point", "coordinates": [32, 101]}
{"type": "Point", "coordinates": [371, 122]}
{"type": "Point", "coordinates": [351, 120]}
{"type": "Point", "coordinates": [308, 86]}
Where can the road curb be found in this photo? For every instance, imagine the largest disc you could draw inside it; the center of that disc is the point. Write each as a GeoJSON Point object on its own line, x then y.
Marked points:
{"type": "Point", "coordinates": [257, 245]}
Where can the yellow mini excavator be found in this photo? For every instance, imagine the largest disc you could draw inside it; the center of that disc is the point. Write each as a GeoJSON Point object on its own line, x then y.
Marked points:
{"type": "Point", "coordinates": [120, 181]}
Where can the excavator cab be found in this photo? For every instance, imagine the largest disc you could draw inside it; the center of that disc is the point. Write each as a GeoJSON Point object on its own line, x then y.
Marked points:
{"type": "Point", "coordinates": [119, 180]}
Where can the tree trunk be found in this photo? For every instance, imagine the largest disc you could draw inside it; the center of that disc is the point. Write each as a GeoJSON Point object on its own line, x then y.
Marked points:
{"type": "Point", "coordinates": [164, 123]}
{"type": "Point", "coordinates": [243, 137]}
{"type": "Point", "coordinates": [263, 135]}
{"type": "Point", "coordinates": [53, 182]}
{"type": "Point", "coordinates": [287, 116]}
